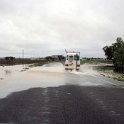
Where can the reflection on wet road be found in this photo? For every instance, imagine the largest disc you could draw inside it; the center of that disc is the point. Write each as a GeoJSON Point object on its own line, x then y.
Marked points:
{"type": "Point", "coordinates": [50, 75]}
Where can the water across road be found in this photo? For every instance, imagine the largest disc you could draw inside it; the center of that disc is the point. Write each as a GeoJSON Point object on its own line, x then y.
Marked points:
{"type": "Point", "coordinates": [50, 95]}
{"type": "Point", "coordinates": [49, 75]}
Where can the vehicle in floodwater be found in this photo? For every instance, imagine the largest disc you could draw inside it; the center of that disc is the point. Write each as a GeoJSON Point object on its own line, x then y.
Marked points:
{"type": "Point", "coordinates": [72, 61]}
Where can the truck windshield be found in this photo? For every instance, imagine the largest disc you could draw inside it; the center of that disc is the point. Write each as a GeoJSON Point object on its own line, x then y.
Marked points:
{"type": "Point", "coordinates": [76, 57]}
{"type": "Point", "coordinates": [70, 58]}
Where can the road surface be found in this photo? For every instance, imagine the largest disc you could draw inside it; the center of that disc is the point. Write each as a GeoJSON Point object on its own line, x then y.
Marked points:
{"type": "Point", "coordinates": [51, 95]}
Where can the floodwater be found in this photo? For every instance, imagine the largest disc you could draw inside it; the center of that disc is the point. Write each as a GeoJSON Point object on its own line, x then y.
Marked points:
{"type": "Point", "coordinates": [49, 75]}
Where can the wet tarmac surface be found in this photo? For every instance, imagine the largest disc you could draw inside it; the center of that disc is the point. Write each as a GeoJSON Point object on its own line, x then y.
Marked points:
{"type": "Point", "coordinates": [51, 95]}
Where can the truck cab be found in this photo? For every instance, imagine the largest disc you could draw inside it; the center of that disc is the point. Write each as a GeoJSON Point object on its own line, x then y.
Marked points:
{"type": "Point", "coordinates": [72, 61]}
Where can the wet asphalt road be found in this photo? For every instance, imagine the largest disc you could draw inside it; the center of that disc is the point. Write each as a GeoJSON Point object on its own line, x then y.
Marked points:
{"type": "Point", "coordinates": [69, 103]}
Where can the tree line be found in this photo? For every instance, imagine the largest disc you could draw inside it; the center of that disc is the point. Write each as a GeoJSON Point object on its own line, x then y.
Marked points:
{"type": "Point", "coordinates": [115, 52]}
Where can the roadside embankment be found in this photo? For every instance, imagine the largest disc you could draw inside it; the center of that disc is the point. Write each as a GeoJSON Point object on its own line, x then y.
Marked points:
{"type": "Point", "coordinates": [104, 68]}
{"type": "Point", "coordinates": [107, 71]}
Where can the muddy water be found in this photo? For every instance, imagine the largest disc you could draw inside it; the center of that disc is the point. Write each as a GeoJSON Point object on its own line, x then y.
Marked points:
{"type": "Point", "coordinates": [9, 70]}
{"type": "Point", "coordinates": [49, 75]}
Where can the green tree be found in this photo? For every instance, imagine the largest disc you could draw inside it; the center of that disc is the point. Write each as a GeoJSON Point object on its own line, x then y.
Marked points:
{"type": "Point", "coordinates": [108, 52]}
{"type": "Point", "coordinates": [115, 52]}
{"type": "Point", "coordinates": [118, 55]}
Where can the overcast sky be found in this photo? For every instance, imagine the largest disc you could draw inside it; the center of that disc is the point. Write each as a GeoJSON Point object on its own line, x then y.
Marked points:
{"type": "Point", "coordinates": [46, 27]}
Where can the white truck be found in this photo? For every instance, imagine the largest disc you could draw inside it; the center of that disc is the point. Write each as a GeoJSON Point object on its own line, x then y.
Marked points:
{"type": "Point", "coordinates": [72, 61]}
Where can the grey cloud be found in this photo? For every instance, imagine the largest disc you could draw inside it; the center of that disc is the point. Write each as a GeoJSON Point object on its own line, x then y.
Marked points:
{"type": "Point", "coordinates": [48, 27]}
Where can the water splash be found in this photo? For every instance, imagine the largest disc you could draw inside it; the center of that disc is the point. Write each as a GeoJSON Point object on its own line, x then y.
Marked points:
{"type": "Point", "coordinates": [86, 69]}
{"type": "Point", "coordinates": [51, 67]}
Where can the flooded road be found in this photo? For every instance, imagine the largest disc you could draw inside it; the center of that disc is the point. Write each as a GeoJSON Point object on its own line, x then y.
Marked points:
{"type": "Point", "coordinates": [49, 75]}
{"type": "Point", "coordinates": [50, 95]}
